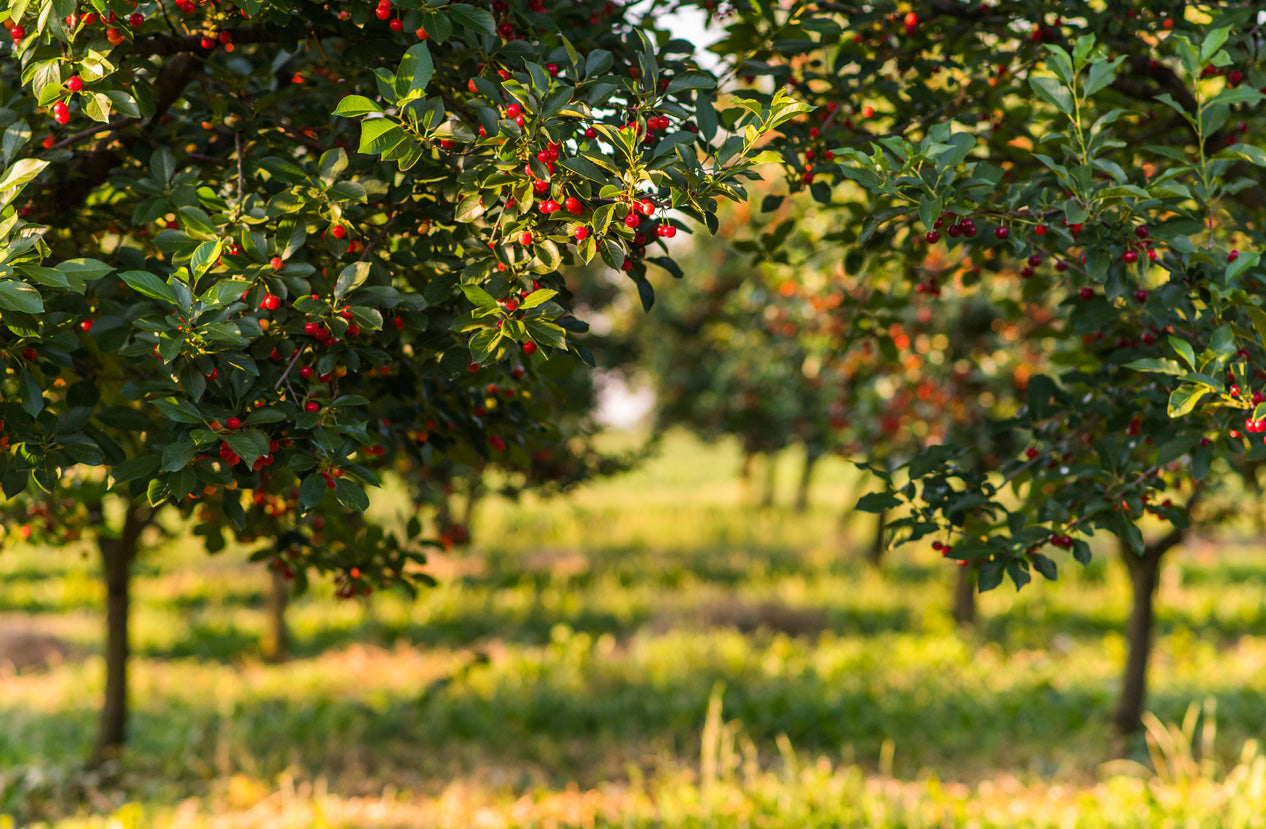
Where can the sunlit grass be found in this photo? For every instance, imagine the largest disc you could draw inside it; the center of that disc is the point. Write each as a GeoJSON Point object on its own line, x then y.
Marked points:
{"type": "Point", "coordinates": [563, 671]}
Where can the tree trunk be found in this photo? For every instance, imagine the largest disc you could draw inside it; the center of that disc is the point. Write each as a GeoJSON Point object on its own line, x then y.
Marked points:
{"type": "Point", "coordinates": [1144, 573]}
{"type": "Point", "coordinates": [745, 475]}
{"type": "Point", "coordinates": [811, 458]}
{"type": "Point", "coordinates": [965, 597]}
{"type": "Point", "coordinates": [771, 475]}
{"type": "Point", "coordinates": [117, 555]}
{"type": "Point", "coordinates": [276, 644]}
{"type": "Point", "coordinates": [875, 555]}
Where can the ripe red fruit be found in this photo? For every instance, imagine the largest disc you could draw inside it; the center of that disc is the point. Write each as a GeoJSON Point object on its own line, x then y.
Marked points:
{"type": "Point", "coordinates": [311, 406]}
{"type": "Point", "coordinates": [1140, 295]}
{"type": "Point", "coordinates": [1001, 232]}
{"type": "Point", "coordinates": [470, 87]}
{"type": "Point", "coordinates": [497, 443]}
{"type": "Point", "coordinates": [306, 372]}
{"type": "Point", "coordinates": [74, 83]}
{"type": "Point", "coordinates": [1130, 257]}
{"type": "Point", "coordinates": [1086, 293]}
{"type": "Point", "coordinates": [512, 110]}
{"type": "Point", "coordinates": [868, 111]}
{"type": "Point", "coordinates": [933, 237]}
{"type": "Point", "coordinates": [396, 25]}
{"type": "Point", "coordinates": [30, 354]}
{"type": "Point", "coordinates": [215, 373]}
{"type": "Point", "coordinates": [572, 204]}
{"type": "Point", "coordinates": [86, 325]}
{"type": "Point", "coordinates": [61, 112]}
{"type": "Point", "coordinates": [665, 231]}
{"type": "Point", "coordinates": [1142, 232]}
{"type": "Point", "coordinates": [136, 19]}
{"type": "Point", "coordinates": [339, 232]}
{"type": "Point", "coordinates": [525, 238]}
{"type": "Point", "coordinates": [1232, 256]}
{"type": "Point", "coordinates": [581, 233]}
{"type": "Point", "coordinates": [529, 348]}
{"type": "Point", "coordinates": [311, 328]}
{"type": "Point", "coordinates": [632, 220]}
{"type": "Point", "coordinates": [277, 263]}
{"type": "Point", "coordinates": [271, 302]}
{"type": "Point", "coordinates": [398, 322]}
{"type": "Point", "coordinates": [233, 423]}
{"type": "Point", "coordinates": [591, 133]}
{"type": "Point", "coordinates": [552, 69]}
{"type": "Point", "coordinates": [646, 207]}
{"type": "Point", "coordinates": [1040, 230]}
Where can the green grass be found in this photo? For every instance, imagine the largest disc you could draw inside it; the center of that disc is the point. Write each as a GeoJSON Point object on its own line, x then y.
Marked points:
{"type": "Point", "coordinates": [652, 651]}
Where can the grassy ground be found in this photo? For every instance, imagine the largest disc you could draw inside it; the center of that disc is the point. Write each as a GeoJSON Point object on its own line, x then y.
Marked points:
{"type": "Point", "coordinates": [650, 652]}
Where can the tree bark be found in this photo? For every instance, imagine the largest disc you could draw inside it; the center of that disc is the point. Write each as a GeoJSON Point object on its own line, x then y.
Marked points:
{"type": "Point", "coordinates": [117, 555]}
{"type": "Point", "coordinates": [965, 597]}
{"type": "Point", "coordinates": [276, 644]}
{"type": "Point", "coordinates": [811, 458]}
{"type": "Point", "coordinates": [771, 475]}
{"type": "Point", "coordinates": [1144, 573]}
{"type": "Point", "coordinates": [875, 555]}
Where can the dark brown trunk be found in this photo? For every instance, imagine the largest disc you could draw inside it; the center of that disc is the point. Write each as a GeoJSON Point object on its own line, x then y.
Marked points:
{"type": "Point", "coordinates": [771, 474]}
{"type": "Point", "coordinates": [875, 555]}
{"type": "Point", "coordinates": [965, 597]}
{"type": "Point", "coordinates": [811, 458]}
{"type": "Point", "coordinates": [117, 555]}
{"type": "Point", "coordinates": [276, 644]}
{"type": "Point", "coordinates": [745, 475]}
{"type": "Point", "coordinates": [1144, 573]}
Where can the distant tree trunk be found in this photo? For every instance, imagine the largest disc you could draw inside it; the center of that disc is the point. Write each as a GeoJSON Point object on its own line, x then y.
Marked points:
{"type": "Point", "coordinates": [745, 474]}
{"type": "Point", "coordinates": [811, 457]}
{"type": "Point", "coordinates": [276, 644]}
{"type": "Point", "coordinates": [875, 555]}
{"type": "Point", "coordinates": [117, 555]}
{"type": "Point", "coordinates": [771, 476]}
{"type": "Point", "coordinates": [1144, 573]}
{"type": "Point", "coordinates": [473, 495]}
{"type": "Point", "coordinates": [965, 597]}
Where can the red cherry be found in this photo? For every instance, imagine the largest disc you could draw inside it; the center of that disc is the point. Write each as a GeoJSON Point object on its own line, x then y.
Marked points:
{"type": "Point", "coordinates": [529, 348]}
{"type": "Point", "coordinates": [1040, 230]}
{"type": "Point", "coordinates": [1232, 256]}
{"type": "Point", "coordinates": [525, 238]}
{"type": "Point", "coordinates": [311, 406]}
{"type": "Point", "coordinates": [339, 232]}
{"type": "Point", "coordinates": [572, 204]}
{"type": "Point", "coordinates": [136, 19]}
{"type": "Point", "coordinates": [233, 424]}
{"type": "Point", "coordinates": [1140, 295]}
{"type": "Point", "coordinates": [591, 133]}
{"type": "Point", "coordinates": [30, 354]}
{"type": "Point", "coordinates": [271, 302]}
{"type": "Point", "coordinates": [306, 372]}
{"type": "Point", "coordinates": [933, 237]}
{"type": "Point", "coordinates": [61, 112]}
{"type": "Point", "coordinates": [646, 207]}
{"type": "Point", "coordinates": [74, 83]}
{"type": "Point", "coordinates": [581, 233]}
{"type": "Point", "coordinates": [632, 220]}
{"type": "Point", "coordinates": [1142, 232]}
{"type": "Point", "coordinates": [396, 25]}
{"type": "Point", "coordinates": [311, 328]}
{"type": "Point", "coordinates": [398, 322]}
{"type": "Point", "coordinates": [1086, 293]}
{"type": "Point", "coordinates": [1130, 257]}
{"type": "Point", "coordinates": [552, 69]}
{"type": "Point", "coordinates": [1001, 232]}
{"type": "Point", "coordinates": [215, 372]}
{"type": "Point", "coordinates": [513, 110]}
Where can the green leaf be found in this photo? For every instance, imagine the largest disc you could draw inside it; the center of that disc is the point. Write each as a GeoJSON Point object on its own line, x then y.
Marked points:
{"type": "Point", "coordinates": [311, 491]}
{"type": "Point", "coordinates": [351, 495]}
{"type": "Point", "coordinates": [133, 469]}
{"type": "Point", "coordinates": [1053, 92]}
{"type": "Point", "coordinates": [1184, 350]}
{"type": "Point", "coordinates": [691, 79]}
{"type": "Point", "coordinates": [378, 135]}
{"type": "Point", "coordinates": [877, 502]}
{"type": "Point", "coordinates": [19, 174]}
{"type": "Point", "coordinates": [537, 297]}
{"type": "Point", "coordinates": [147, 284]}
{"type": "Point", "coordinates": [356, 105]}
{"type": "Point", "coordinates": [473, 18]}
{"type": "Point", "coordinates": [32, 394]}
{"type": "Point", "coordinates": [1244, 152]}
{"type": "Point", "coordinates": [470, 208]}
{"type": "Point", "coordinates": [1154, 364]}
{"type": "Point", "coordinates": [351, 278]}
{"type": "Point", "coordinates": [18, 296]}
{"type": "Point", "coordinates": [478, 296]}
{"type": "Point", "coordinates": [416, 70]}
{"type": "Point", "coordinates": [1184, 398]}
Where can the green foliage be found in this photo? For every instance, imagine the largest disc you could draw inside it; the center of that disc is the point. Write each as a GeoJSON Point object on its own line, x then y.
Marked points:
{"type": "Point", "coordinates": [342, 231]}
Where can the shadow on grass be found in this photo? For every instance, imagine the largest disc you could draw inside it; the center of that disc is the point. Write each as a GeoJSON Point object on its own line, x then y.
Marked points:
{"type": "Point", "coordinates": [560, 722]}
